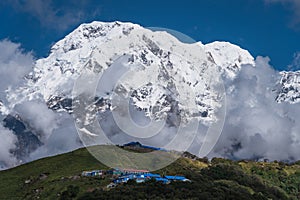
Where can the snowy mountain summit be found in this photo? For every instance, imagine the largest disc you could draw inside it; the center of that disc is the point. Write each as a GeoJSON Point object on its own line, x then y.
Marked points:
{"type": "Point", "coordinates": [173, 69]}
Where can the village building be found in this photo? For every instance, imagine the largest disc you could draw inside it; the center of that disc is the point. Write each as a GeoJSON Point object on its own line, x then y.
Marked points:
{"type": "Point", "coordinates": [134, 171]}
{"type": "Point", "coordinates": [92, 173]}
{"type": "Point", "coordinates": [177, 178]}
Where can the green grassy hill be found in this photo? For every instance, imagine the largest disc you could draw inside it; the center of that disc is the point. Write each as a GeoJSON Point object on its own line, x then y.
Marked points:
{"type": "Point", "coordinates": [59, 177]}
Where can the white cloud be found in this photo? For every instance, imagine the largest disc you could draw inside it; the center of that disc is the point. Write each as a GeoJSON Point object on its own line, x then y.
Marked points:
{"type": "Point", "coordinates": [39, 117]}
{"type": "Point", "coordinates": [7, 143]}
{"type": "Point", "coordinates": [256, 125]}
{"type": "Point", "coordinates": [57, 131]}
{"type": "Point", "coordinates": [294, 6]}
{"type": "Point", "coordinates": [14, 65]}
{"type": "Point", "coordinates": [63, 139]}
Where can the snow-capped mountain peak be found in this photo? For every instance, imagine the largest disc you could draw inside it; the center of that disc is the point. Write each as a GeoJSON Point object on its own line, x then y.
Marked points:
{"type": "Point", "coordinates": [230, 57]}
{"type": "Point", "coordinates": [98, 44]}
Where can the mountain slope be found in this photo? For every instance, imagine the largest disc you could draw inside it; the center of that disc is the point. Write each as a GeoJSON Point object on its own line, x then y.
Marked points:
{"type": "Point", "coordinates": [166, 80]}
{"type": "Point", "coordinates": [50, 178]}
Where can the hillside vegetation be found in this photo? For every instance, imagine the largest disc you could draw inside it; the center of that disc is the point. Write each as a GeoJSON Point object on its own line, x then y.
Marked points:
{"type": "Point", "coordinates": [59, 177]}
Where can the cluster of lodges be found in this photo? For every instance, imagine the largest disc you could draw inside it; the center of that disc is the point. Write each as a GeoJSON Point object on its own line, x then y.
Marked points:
{"type": "Point", "coordinates": [140, 176]}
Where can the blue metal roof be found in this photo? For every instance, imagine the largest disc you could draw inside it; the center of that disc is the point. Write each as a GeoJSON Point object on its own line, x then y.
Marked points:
{"type": "Point", "coordinates": [130, 176]}
{"type": "Point", "coordinates": [152, 175]}
{"type": "Point", "coordinates": [140, 176]}
{"type": "Point", "coordinates": [175, 177]}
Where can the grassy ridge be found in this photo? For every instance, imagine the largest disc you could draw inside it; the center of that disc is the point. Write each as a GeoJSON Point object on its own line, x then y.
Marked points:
{"type": "Point", "coordinates": [58, 169]}
{"type": "Point", "coordinates": [58, 178]}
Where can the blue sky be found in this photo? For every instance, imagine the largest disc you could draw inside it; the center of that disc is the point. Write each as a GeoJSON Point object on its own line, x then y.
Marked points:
{"type": "Point", "coordinates": [264, 27]}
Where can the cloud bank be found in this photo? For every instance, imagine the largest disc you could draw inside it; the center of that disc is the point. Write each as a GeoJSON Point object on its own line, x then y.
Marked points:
{"type": "Point", "coordinates": [38, 116]}
{"type": "Point", "coordinates": [256, 125]}
{"type": "Point", "coordinates": [7, 144]}
{"type": "Point", "coordinates": [14, 65]}
{"type": "Point", "coordinates": [55, 130]}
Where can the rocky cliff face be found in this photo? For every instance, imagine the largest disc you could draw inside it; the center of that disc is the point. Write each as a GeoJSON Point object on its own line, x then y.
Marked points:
{"type": "Point", "coordinates": [289, 87]}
